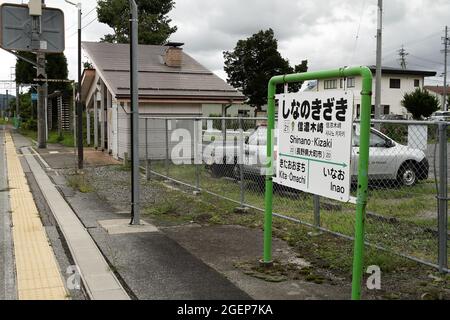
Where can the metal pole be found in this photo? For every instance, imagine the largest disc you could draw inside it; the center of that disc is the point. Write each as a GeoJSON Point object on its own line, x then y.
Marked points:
{"type": "Point", "coordinates": [317, 211]}
{"type": "Point", "coordinates": [102, 116]}
{"type": "Point", "coordinates": [443, 198]}
{"type": "Point", "coordinates": [167, 146]}
{"type": "Point", "coordinates": [134, 81]}
{"type": "Point", "coordinates": [96, 121]}
{"type": "Point", "coordinates": [88, 127]}
{"type": "Point", "coordinates": [379, 61]}
{"type": "Point", "coordinates": [41, 112]}
{"type": "Point", "coordinates": [366, 103]}
{"type": "Point", "coordinates": [241, 161]}
{"type": "Point", "coordinates": [7, 103]}
{"type": "Point", "coordinates": [17, 104]}
{"type": "Point", "coordinates": [147, 161]}
{"type": "Point", "coordinates": [197, 144]}
{"type": "Point", "coordinates": [79, 103]}
{"type": "Point", "coordinates": [446, 40]}
{"type": "Point", "coordinates": [74, 113]}
{"type": "Point", "coordinates": [363, 183]}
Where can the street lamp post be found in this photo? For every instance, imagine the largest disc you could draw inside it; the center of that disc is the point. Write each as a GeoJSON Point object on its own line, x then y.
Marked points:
{"type": "Point", "coordinates": [78, 98]}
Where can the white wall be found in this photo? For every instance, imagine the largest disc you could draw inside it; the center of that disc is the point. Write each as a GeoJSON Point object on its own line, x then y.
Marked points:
{"type": "Point", "coordinates": [389, 96]}
{"type": "Point", "coordinates": [156, 135]}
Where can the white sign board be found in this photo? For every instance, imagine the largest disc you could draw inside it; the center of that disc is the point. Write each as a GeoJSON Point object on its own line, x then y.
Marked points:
{"type": "Point", "coordinates": [315, 142]}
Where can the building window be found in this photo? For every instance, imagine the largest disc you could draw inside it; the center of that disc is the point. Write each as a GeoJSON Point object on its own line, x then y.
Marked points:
{"type": "Point", "coordinates": [243, 113]}
{"type": "Point", "coordinates": [394, 83]}
{"type": "Point", "coordinates": [341, 83]}
{"type": "Point", "coordinates": [350, 82]}
{"type": "Point", "coordinates": [330, 84]}
{"type": "Point", "coordinates": [386, 110]}
{"type": "Point", "coordinates": [416, 83]}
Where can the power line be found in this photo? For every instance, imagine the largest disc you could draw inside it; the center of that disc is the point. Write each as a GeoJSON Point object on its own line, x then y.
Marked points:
{"type": "Point", "coordinates": [87, 25]}
{"type": "Point", "coordinates": [84, 17]}
{"type": "Point", "coordinates": [358, 30]}
{"type": "Point", "coordinates": [412, 42]}
{"type": "Point", "coordinates": [84, 27]}
{"type": "Point", "coordinates": [427, 60]}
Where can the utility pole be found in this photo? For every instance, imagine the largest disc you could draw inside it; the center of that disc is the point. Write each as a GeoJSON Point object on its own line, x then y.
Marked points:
{"type": "Point", "coordinates": [79, 104]}
{"type": "Point", "coordinates": [403, 54]}
{"type": "Point", "coordinates": [36, 29]}
{"type": "Point", "coordinates": [134, 78]}
{"type": "Point", "coordinates": [379, 60]}
{"type": "Point", "coordinates": [41, 103]}
{"type": "Point", "coordinates": [446, 41]}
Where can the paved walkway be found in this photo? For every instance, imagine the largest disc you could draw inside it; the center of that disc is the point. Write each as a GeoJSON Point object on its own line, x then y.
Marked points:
{"type": "Point", "coordinates": [98, 279]}
{"type": "Point", "coordinates": [7, 274]}
{"type": "Point", "coordinates": [38, 276]}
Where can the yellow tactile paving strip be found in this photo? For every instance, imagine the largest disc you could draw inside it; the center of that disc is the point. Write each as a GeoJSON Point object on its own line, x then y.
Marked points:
{"type": "Point", "coordinates": [38, 276]}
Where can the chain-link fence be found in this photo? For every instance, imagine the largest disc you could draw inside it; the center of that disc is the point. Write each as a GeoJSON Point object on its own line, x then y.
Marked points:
{"type": "Point", "coordinates": [407, 205]}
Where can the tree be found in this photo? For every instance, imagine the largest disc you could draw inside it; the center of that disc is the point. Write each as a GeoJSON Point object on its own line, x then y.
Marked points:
{"type": "Point", "coordinates": [420, 103]}
{"type": "Point", "coordinates": [154, 24]}
{"type": "Point", "coordinates": [253, 62]}
{"type": "Point", "coordinates": [56, 68]}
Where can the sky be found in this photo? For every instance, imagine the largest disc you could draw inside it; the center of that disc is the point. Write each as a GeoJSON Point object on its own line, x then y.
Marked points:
{"type": "Point", "coordinates": [327, 33]}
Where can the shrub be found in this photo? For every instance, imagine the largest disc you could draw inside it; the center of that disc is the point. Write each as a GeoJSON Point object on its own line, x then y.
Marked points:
{"type": "Point", "coordinates": [420, 103]}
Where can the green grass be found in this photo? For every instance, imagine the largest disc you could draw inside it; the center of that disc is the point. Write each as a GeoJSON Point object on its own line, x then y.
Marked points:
{"type": "Point", "coordinates": [66, 139]}
{"type": "Point", "coordinates": [28, 133]}
{"type": "Point", "coordinates": [324, 250]}
{"type": "Point", "coordinates": [3, 121]}
{"type": "Point", "coordinates": [408, 211]}
{"type": "Point", "coordinates": [80, 183]}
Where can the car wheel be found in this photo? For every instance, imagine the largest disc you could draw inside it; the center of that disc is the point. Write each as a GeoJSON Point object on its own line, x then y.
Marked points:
{"type": "Point", "coordinates": [407, 175]}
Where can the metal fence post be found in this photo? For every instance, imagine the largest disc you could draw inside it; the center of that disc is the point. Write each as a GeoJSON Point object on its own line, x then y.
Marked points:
{"type": "Point", "coordinates": [197, 144]}
{"type": "Point", "coordinates": [147, 160]}
{"type": "Point", "coordinates": [241, 162]}
{"type": "Point", "coordinates": [317, 211]}
{"type": "Point", "coordinates": [167, 146]}
{"type": "Point", "coordinates": [443, 198]}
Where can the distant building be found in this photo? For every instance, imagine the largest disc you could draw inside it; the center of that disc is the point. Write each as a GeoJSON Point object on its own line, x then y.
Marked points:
{"type": "Point", "coordinates": [394, 83]}
{"type": "Point", "coordinates": [438, 92]}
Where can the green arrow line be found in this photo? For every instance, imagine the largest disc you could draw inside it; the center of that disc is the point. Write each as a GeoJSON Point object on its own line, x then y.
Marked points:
{"type": "Point", "coordinates": [315, 160]}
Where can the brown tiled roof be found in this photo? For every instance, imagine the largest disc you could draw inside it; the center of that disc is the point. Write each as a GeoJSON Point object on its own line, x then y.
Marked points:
{"type": "Point", "coordinates": [437, 89]}
{"type": "Point", "coordinates": [156, 80]}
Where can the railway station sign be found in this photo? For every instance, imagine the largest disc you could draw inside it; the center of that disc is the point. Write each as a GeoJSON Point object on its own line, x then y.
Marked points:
{"type": "Point", "coordinates": [315, 142]}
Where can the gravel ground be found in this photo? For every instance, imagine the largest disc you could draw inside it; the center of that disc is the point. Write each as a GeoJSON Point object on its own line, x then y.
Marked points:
{"type": "Point", "coordinates": [112, 183]}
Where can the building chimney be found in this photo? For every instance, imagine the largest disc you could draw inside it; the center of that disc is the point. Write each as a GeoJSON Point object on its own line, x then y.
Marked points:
{"type": "Point", "coordinates": [174, 54]}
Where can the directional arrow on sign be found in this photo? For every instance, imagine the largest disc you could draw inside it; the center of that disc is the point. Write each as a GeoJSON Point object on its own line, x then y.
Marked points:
{"type": "Point", "coordinates": [343, 165]}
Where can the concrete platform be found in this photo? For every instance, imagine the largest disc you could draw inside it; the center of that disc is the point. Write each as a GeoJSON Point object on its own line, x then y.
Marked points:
{"type": "Point", "coordinates": [99, 280]}
{"type": "Point", "coordinates": [38, 275]}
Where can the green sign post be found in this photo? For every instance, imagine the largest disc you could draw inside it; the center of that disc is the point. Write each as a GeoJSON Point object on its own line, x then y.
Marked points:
{"type": "Point", "coordinates": [363, 167]}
